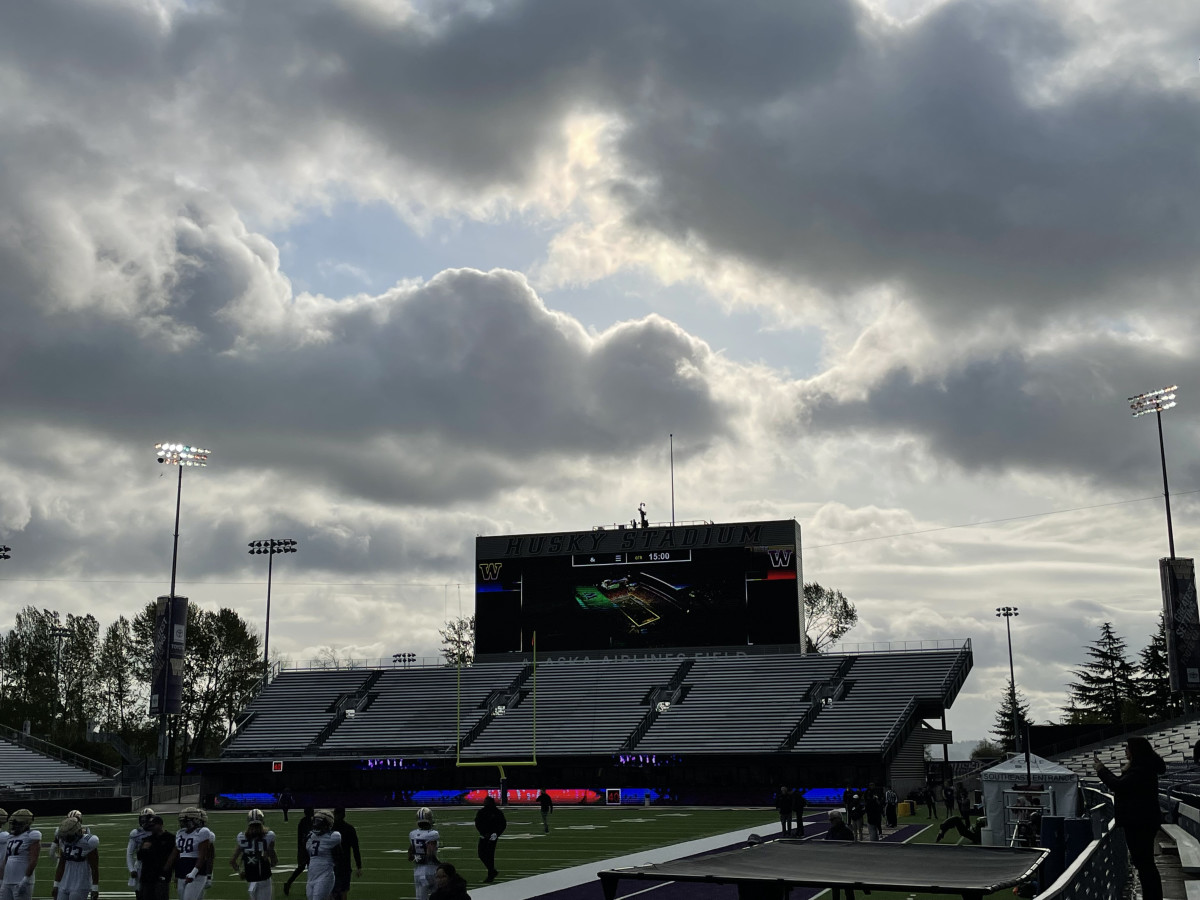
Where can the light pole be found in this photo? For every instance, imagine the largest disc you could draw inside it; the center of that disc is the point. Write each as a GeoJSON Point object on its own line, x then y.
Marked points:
{"type": "Point", "coordinates": [182, 456]}
{"type": "Point", "coordinates": [1157, 402]}
{"type": "Point", "coordinates": [1007, 612]}
{"type": "Point", "coordinates": [270, 547]}
{"type": "Point", "coordinates": [59, 634]}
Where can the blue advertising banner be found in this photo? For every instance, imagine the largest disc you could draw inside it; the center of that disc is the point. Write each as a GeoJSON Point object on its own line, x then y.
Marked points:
{"type": "Point", "coordinates": [1182, 622]}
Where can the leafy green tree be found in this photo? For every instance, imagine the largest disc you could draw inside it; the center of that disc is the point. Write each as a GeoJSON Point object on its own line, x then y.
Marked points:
{"type": "Point", "coordinates": [121, 702]}
{"type": "Point", "coordinates": [76, 664]}
{"type": "Point", "coordinates": [1003, 729]}
{"type": "Point", "coordinates": [827, 616]}
{"type": "Point", "coordinates": [30, 687]}
{"type": "Point", "coordinates": [985, 749]}
{"type": "Point", "coordinates": [458, 641]}
{"type": "Point", "coordinates": [222, 670]}
{"type": "Point", "coordinates": [1104, 689]}
{"type": "Point", "coordinates": [1154, 681]}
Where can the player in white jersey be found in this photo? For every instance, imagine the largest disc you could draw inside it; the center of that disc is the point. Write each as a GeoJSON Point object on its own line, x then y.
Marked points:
{"type": "Point", "coordinates": [256, 850]}
{"type": "Point", "coordinates": [4, 833]}
{"type": "Point", "coordinates": [422, 851]}
{"type": "Point", "coordinates": [78, 872]}
{"type": "Point", "coordinates": [320, 847]}
{"type": "Point", "coordinates": [136, 836]}
{"type": "Point", "coordinates": [21, 856]}
{"type": "Point", "coordinates": [207, 871]}
{"type": "Point", "coordinates": [191, 856]}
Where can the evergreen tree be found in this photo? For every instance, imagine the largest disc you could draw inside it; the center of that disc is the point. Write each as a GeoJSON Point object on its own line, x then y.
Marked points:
{"type": "Point", "coordinates": [1003, 729]}
{"type": "Point", "coordinates": [1154, 681]}
{"type": "Point", "coordinates": [1105, 689]}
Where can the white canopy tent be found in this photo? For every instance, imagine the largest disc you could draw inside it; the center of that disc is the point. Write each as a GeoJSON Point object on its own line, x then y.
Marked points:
{"type": "Point", "coordinates": [1055, 789]}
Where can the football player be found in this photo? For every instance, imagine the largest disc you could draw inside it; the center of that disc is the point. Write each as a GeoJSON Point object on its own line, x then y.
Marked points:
{"type": "Point", "coordinates": [192, 854]}
{"type": "Point", "coordinates": [321, 847]}
{"type": "Point", "coordinates": [3, 833]}
{"type": "Point", "coordinates": [422, 852]}
{"type": "Point", "coordinates": [256, 850]}
{"type": "Point", "coordinates": [78, 871]}
{"type": "Point", "coordinates": [24, 848]}
{"type": "Point", "coordinates": [136, 836]}
{"type": "Point", "coordinates": [207, 871]}
{"type": "Point", "coordinates": [55, 849]}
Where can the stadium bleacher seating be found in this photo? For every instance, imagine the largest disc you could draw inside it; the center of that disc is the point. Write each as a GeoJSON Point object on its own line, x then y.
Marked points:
{"type": "Point", "coordinates": [752, 702]}
{"type": "Point", "coordinates": [287, 716]}
{"type": "Point", "coordinates": [880, 689]}
{"type": "Point", "coordinates": [1173, 743]}
{"type": "Point", "coordinates": [21, 767]}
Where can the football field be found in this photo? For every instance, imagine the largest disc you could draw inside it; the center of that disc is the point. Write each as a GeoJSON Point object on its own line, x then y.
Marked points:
{"type": "Point", "coordinates": [579, 835]}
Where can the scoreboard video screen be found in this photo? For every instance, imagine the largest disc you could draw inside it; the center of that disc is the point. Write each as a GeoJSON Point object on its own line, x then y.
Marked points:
{"type": "Point", "coordinates": [622, 588]}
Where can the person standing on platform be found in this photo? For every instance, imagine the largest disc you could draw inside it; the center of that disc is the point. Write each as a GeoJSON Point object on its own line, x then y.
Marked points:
{"type": "Point", "coordinates": [798, 804]}
{"type": "Point", "coordinates": [490, 823]}
{"type": "Point", "coordinates": [1135, 796]}
{"type": "Point", "coordinates": [546, 802]}
{"type": "Point", "coordinates": [783, 803]}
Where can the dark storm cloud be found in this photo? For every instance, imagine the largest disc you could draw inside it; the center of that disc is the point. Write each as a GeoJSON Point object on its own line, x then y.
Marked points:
{"type": "Point", "coordinates": [808, 138]}
{"type": "Point", "coordinates": [1062, 411]}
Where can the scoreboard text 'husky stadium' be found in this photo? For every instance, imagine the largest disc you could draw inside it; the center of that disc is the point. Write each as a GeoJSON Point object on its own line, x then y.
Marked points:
{"type": "Point", "coordinates": [706, 585]}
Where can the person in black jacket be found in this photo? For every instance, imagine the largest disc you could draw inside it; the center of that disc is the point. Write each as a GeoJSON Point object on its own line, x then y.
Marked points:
{"type": "Point", "coordinates": [783, 803]}
{"type": "Point", "coordinates": [156, 847]}
{"type": "Point", "coordinates": [1135, 796]}
{"type": "Point", "coordinates": [303, 827]}
{"type": "Point", "coordinates": [341, 862]}
{"type": "Point", "coordinates": [490, 823]}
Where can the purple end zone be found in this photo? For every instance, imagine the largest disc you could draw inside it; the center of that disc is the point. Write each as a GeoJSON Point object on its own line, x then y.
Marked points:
{"type": "Point", "coordinates": [670, 890]}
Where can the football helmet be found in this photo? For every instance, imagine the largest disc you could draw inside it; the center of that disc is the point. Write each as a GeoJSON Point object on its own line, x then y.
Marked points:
{"type": "Point", "coordinates": [144, 817]}
{"type": "Point", "coordinates": [3, 817]}
{"type": "Point", "coordinates": [322, 821]}
{"type": "Point", "coordinates": [190, 819]}
{"type": "Point", "coordinates": [76, 815]}
{"type": "Point", "coordinates": [203, 815]}
{"type": "Point", "coordinates": [255, 815]}
{"type": "Point", "coordinates": [424, 816]}
{"type": "Point", "coordinates": [70, 830]}
{"type": "Point", "coordinates": [20, 821]}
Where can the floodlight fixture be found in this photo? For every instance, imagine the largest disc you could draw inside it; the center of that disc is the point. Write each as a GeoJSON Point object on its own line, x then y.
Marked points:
{"type": "Point", "coordinates": [181, 454]}
{"type": "Point", "coordinates": [270, 547]}
{"type": "Point", "coordinates": [4, 552]}
{"type": "Point", "coordinates": [1158, 402]}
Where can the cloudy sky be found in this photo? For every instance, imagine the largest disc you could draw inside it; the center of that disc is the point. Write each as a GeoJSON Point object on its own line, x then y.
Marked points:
{"type": "Point", "coordinates": [418, 271]}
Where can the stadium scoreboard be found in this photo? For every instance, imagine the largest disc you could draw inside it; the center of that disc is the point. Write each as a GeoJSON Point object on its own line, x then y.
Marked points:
{"type": "Point", "coordinates": [623, 587]}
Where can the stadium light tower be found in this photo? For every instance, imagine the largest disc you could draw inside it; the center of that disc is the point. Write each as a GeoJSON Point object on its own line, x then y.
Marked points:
{"type": "Point", "coordinates": [1158, 402]}
{"type": "Point", "coordinates": [4, 551]}
{"type": "Point", "coordinates": [270, 547]}
{"type": "Point", "coordinates": [181, 456]}
{"type": "Point", "coordinates": [1007, 612]}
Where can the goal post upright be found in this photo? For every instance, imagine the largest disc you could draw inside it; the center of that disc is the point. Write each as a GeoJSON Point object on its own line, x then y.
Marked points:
{"type": "Point", "coordinates": [460, 763]}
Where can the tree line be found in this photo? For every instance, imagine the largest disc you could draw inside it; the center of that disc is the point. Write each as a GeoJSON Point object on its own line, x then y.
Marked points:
{"type": "Point", "coordinates": [1108, 688]}
{"type": "Point", "coordinates": [62, 677]}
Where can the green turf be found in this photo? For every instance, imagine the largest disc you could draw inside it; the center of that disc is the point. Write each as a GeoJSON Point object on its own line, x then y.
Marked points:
{"type": "Point", "coordinates": [578, 835]}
